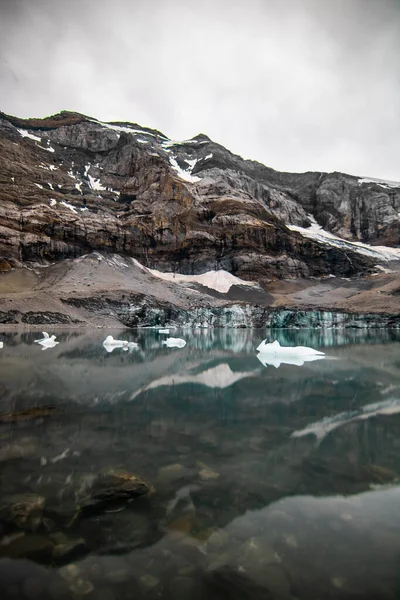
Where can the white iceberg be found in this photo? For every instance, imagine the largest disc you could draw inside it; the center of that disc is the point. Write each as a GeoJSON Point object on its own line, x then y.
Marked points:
{"type": "Point", "coordinates": [130, 346]}
{"type": "Point", "coordinates": [175, 343]}
{"type": "Point", "coordinates": [274, 349]}
{"type": "Point", "coordinates": [47, 341]}
{"type": "Point", "coordinates": [110, 344]}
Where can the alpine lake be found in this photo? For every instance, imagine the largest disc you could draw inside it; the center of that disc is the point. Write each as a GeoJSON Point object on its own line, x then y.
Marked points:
{"type": "Point", "coordinates": [200, 472]}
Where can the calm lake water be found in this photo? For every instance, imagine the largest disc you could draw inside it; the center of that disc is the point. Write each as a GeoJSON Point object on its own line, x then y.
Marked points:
{"type": "Point", "coordinates": [267, 482]}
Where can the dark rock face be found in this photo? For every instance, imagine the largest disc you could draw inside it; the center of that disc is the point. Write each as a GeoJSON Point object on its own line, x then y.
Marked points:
{"type": "Point", "coordinates": [141, 311]}
{"type": "Point", "coordinates": [70, 185]}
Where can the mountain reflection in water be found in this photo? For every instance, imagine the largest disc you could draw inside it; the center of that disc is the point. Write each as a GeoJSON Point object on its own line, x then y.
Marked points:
{"type": "Point", "coordinates": [266, 483]}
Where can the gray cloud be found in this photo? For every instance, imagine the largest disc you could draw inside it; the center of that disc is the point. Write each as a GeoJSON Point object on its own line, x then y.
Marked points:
{"type": "Point", "coordinates": [296, 84]}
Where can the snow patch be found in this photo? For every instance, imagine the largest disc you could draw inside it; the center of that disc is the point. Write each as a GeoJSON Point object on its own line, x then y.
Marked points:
{"type": "Point", "coordinates": [191, 162]}
{"type": "Point", "coordinates": [185, 175]}
{"type": "Point", "coordinates": [24, 133]}
{"type": "Point", "coordinates": [78, 186]}
{"type": "Point", "coordinates": [38, 185]}
{"type": "Point", "coordinates": [49, 148]}
{"type": "Point", "coordinates": [220, 280]}
{"type": "Point", "coordinates": [125, 129]}
{"type": "Point", "coordinates": [382, 182]}
{"type": "Point", "coordinates": [95, 184]}
{"type": "Point", "coordinates": [51, 186]}
{"type": "Point", "coordinates": [315, 232]}
{"type": "Point", "coordinates": [53, 201]}
{"type": "Point", "coordinates": [67, 205]}
{"type": "Point", "coordinates": [208, 156]}
{"type": "Point", "coordinates": [169, 143]}
{"type": "Point", "coordinates": [142, 141]}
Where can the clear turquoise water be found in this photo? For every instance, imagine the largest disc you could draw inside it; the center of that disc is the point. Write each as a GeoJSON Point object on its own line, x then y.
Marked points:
{"type": "Point", "coordinates": [269, 482]}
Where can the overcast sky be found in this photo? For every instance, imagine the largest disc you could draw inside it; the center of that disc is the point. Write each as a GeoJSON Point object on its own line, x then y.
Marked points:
{"type": "Point", "coordinates": [296, 84]}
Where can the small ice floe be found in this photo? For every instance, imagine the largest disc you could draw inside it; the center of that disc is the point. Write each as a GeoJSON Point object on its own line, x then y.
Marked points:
{"type": "Point", "coordinates": [163, 331]}
{"type": "Point", "coordinates": [130, 346]}
{"type": "Point", "coordinates": [46, 341]}
{"type": "Point", "coordinates": [272, 353]}
{"type": "Point", "coordinates": [1, 344]}
{"type": "Point", "coordinates": [110, 344]}
{"type": "Point", "coordinates": [174, 343]}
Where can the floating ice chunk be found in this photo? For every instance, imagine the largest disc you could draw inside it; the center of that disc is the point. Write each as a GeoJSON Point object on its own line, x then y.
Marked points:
{"type": "Point", "coordinates": [110, 344]}
{"type": "Point", "coordinates": [175, 343]}
{"type": "Point", "coordinates": [275, 361]}
{"type": "Point", "coordinates": [46, 341]}
{"type": "Point", "coordinates": [1, 344]}
{"type": "Point", "coordinates": [45, 337]}
{"type": "Point", "coordinates": [274, 349]}
{"type": "Point", "coordinates": [130, 346]}
{"type": "Point", "coordinates": [29, 135]}
{"type": "Point", "coordinates": [163, 331]}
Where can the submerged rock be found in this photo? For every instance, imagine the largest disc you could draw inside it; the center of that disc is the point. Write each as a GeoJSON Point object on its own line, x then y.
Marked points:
{"type": "Point", "coordinates": [22, 511]}
{"type": "Point", "coordinates": [110, 489]}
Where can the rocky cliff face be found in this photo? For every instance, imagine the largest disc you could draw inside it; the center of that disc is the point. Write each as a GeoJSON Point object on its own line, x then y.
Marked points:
{"type": "Point", "coordinates": [70, 185]}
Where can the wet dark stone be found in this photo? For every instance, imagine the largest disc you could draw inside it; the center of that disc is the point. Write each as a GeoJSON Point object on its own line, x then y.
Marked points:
{"type": "Point", "coordinates": [9, 317]}
{"type": "Point", "coordinates": [113, 489]}
{"type": "Point", "coordinates": [39, 318]}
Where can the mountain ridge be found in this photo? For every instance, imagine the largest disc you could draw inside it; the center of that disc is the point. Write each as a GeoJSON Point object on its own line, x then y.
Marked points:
{"type": "Point", "coordinates": [71, 185]}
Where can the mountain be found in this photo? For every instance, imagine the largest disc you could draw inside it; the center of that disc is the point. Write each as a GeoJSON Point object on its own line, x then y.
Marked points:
{"type": "Point", "coordinates": [71, 186]}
